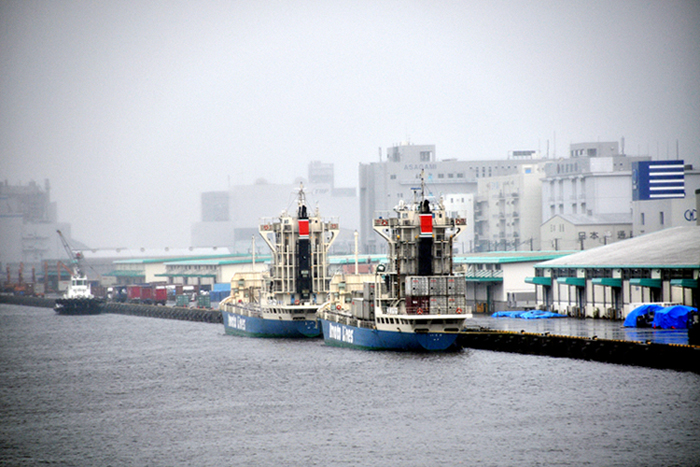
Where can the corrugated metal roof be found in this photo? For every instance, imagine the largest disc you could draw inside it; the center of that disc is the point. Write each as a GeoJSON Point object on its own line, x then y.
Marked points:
{"type": "Point", "coordinates": [670, 248]}
{"type": "Point", "coordinates": [153, 253]}
{"type": "Point", "coordinates": [219, 262]}
{"type": "Point", "coordinates": [501, 257]}
{"type": "Point", "coordinates": [196, 259]}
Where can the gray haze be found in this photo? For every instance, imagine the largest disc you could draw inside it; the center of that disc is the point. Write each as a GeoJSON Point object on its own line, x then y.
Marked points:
{"type": "Point", "coordinates": [134, 108]}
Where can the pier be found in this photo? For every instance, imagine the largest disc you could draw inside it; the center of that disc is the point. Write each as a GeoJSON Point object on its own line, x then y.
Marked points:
{"type": "Point", "coordinates": [585, 339]}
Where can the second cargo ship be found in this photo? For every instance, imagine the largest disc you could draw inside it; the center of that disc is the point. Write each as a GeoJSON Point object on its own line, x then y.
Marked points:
{"type": "Point", "coordinates": [282, 302]}
{"type": "Point", "coordinates": [413, 303]}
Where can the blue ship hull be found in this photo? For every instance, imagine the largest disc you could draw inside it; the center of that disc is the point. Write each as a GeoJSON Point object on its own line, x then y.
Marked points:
{"type": "Point", "coordinates": [341, 335]}
{"type": "Point", "coordinates": [250, 326]}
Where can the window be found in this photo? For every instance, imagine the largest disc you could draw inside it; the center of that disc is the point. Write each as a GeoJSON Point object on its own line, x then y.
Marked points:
{"type": "Point", "coordinates": [450, 175]}
{"type": "Point", "coordinates": [425, 156]}
{"type": "Point", "coordinates": [641, 221]}
{"type": "Point", "coordinates": [661, 218]}
{"type": "Point", "coordinates": [460, 175]}
{"type": "Point", "coordinates": [441, 175]}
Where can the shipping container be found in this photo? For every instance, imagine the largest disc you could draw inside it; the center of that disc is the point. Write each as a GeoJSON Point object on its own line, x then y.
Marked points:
{"type": "Point", "coordinates": [182, 300]}
{"type": "Point", "coordinates": [367, 309]}
{"type": "Point", "coordinates": [456, 285]}
{"type": "Point", "coordinates": [356, 307]}
{"type": "Point", "coordinates": [160, 295]}
{"type": "Point", "coordinates": [417, 304]}
{"type": "Point", "coordinates": [438, 304]}
{"type": "Point", "coordinates": [456, 303]}
{"type": "Point", "coordinates": [204, 301]}
{"type": "Point", "coordinates": [417, 285]}
{"type": "Point", "coordinates": [368, 291]}
{"type": "Point", "coordinates": [222, 287]}
{"type": "Point", "coordinates": [438, 285]}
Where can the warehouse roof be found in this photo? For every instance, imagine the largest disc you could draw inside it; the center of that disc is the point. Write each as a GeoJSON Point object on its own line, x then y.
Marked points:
{"type": "Point", "coordinates": [670, 248]}
{"type": "Point", "coordinates": [501, 257]}
{"type": "Point", "coordinates": [599, 219]}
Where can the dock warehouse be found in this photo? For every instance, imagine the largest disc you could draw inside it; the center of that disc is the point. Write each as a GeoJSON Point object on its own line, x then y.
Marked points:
{"type": "Point", "coordinates": [612, 280]}
{"type": "Point", "coordinates": [496, 280]}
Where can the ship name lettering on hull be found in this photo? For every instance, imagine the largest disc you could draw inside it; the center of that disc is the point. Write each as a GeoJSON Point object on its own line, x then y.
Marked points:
{"type": "Point", "coordinates": [341, 333]}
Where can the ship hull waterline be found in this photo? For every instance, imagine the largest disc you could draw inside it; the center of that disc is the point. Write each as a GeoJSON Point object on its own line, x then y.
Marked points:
{"type": "Point", "coordinates": [78, 306]}
{"type": "Point", "coordinates": [342, 335]}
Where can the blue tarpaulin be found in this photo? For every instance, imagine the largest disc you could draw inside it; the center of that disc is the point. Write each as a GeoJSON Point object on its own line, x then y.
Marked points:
{"type": "Point", "coordinates": [531, 314]}
{"type": "Point", "coordinates": [631, 320]}
{"type": "Point", "coordinates": [672, 317]}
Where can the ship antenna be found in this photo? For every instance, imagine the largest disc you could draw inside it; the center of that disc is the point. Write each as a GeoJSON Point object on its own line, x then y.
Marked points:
{"type": "Point", "coordinates": [422, 184]}
{"type": "Point", "coordinates": [302, 203]}
{"type": "Point", "coordinates": [424, 205]}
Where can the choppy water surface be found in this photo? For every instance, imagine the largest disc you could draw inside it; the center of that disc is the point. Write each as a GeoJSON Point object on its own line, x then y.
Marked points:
{"type": "Point", "coordinates": [121, 390]}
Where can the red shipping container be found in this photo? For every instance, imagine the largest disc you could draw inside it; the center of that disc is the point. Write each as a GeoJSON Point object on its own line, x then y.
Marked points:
{"type": "Point", "coordinates": [161, 295]}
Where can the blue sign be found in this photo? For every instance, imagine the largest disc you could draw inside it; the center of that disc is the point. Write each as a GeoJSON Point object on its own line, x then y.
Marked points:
{"type": "Point", "coordinates": [658, 180]}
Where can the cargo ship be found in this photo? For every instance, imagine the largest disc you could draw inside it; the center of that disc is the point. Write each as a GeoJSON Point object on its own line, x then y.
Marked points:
{"type": "Point", "coordinates": [414, 302]}
{"type": "Point", "coordinates": [282, 301]}
{"type": "Point", "coordinates": [78, 298]}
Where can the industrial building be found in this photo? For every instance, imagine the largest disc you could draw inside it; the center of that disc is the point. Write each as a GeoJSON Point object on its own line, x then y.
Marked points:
{"type": "Point", "coordinates": [28, 225]}
{"type": "Point", "coordinates": [396, 176]}
{"type": "Point", "coordinates": [609, 281]}
{"type": "Point", "coordinates": [594, 183]}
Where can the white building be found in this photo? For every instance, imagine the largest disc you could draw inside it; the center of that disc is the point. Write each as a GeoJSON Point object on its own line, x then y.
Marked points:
{"type": "Point", "coordinates": [384, 183]}
{"type": "Point", "coordinates": [596, 180]}
{"type": "Point", "coordinates": [580, 232]}
{"type": "Point", "coordinates": [508, 213]}
{"type": "Point", "coordinates": [461, 205]}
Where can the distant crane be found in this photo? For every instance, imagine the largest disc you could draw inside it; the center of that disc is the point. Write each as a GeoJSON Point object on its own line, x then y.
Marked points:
{"type": "Point", "coordinates": [75, 257]}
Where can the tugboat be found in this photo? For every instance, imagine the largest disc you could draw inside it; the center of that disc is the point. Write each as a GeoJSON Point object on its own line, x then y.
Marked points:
{"type": "Point", "coordinates": [413, 303]}
{"type": "Point", "coordinates": [78, 299]}
{"type": "Point", "coordinates": [282, 302]}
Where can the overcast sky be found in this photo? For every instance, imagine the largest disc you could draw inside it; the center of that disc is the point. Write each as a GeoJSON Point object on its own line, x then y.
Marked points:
{"type": "Point", "coordinates": [133, 108]}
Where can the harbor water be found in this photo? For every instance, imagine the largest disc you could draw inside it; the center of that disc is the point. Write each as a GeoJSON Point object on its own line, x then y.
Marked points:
{"type": "Point", "coordinates": [123, 390]}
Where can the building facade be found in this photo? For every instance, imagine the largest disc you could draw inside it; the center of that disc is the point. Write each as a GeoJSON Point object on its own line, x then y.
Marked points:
{"type": "Point", "coordinates": [596, 179]}
{"type": "Point", "coordinates": [507, 210]}
{"type": "Point", "coordinates": [396, 177]}
{"type": "Point", "coordinates": [653, 214]}
{"type": "Point", "coordinates": [610, 281]}
{"type": "Point", "coordinates": [28, 225]}
{"type": "Point", "coordinates": [580, 232]}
